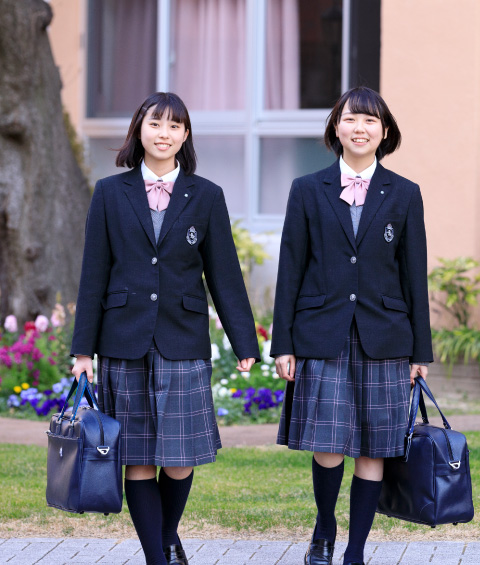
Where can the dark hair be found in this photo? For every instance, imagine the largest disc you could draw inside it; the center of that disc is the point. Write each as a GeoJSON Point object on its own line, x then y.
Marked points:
{"type": "Point", "coordinates": [166, 104]}
{"type": "Point", "coordinates": [364, 100]}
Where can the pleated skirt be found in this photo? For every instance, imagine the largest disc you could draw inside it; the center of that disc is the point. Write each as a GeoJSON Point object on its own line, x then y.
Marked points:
{"type": "Point", "coordinates": [165, 408]}
{"type": "Point", "coordinates": [353, 405]}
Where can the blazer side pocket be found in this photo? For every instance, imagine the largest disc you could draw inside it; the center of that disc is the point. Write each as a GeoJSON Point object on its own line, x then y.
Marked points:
{"type": "Point", "coordinates": [195, 304]}
{"type": "Point", "coordinates": [395, 304]}
{"type": "Point", "coordinates": [115, 300]}
{"type": "Point", "coordinates": [305, 302]}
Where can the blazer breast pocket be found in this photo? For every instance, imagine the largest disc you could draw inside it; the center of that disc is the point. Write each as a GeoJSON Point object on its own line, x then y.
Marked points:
{"type": "Point", "coordinates": [191, 231]}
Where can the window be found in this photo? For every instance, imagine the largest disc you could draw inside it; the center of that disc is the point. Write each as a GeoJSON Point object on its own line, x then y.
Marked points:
{"type": "Point", "coordinates": [259, 78]}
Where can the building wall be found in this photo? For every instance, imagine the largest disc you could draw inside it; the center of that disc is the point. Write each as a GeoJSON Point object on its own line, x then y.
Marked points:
{"type": "Point", "coordinates": [67, 39]}
{"type": "Point", "coordinates": [430, 77]}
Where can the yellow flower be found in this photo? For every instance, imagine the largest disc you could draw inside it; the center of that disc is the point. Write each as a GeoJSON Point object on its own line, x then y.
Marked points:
{"type": "Point", "coordinates": [233, 390]}
{"type": "Point", "coordinates": [17, 389]}
{"type": "Point", "coordinates": [25, 386]}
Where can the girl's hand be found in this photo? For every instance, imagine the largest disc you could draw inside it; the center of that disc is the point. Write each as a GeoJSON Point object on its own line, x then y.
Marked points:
{"type": "Point", "coordinates": [418, 371]}
{"type": "Point", "coordinates": [285, 365]}
{"type": "Point", "coordinates": [245, 364]}
{"type": "Point", "coordinates": [83, 363]}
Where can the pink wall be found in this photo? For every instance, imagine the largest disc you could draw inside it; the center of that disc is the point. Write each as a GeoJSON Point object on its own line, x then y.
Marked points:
{"type": "Point", "coordinates": [430, 77]}
{"type": "Point", "coordinates": [68, 46]}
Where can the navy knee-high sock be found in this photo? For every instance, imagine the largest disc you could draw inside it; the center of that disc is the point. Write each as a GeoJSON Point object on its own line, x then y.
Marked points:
{"type": "Point", "coordinates": [174, 495]}
{"type": "Point", "coordinates": [364, 496]}
{"type": "Point", "coordinates": [145, 505]}
{"type": "Point", "coordinates": [326, 486]}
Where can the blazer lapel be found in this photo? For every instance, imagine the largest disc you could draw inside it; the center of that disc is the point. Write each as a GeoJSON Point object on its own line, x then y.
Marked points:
{"type": "Point", "coordinates": [377, 192]}
{"type": "Point", "coordinates": [340, 207]}
{"type": "Point", "coordinates": [137, 195]}
{"type": "Point", "coordinates": [183, 192]}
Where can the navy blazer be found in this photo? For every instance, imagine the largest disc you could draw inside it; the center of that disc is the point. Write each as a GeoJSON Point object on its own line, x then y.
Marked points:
{"type": "Point", "coordinates": [327, 276]}
{"type": "Point", "coordinates": [133, 290]}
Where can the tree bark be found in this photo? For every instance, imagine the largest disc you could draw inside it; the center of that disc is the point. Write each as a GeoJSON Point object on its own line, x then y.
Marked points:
{"type": "Point", "coordinates": [44, 195]}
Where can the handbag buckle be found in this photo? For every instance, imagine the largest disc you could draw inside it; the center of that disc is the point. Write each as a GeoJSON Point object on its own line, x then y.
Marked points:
{"type": "Point", "coordinates": [407, 449]}
{"type": "Point", "coordinates": [103, 449]}
{"type": "Point", "coordinates": [454, 465]}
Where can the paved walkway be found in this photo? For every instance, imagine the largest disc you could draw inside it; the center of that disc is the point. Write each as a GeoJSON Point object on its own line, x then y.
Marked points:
{"type": "Point", "coordinates": [69, 551]}
{"type": "Point", "coordinates": [29, 432]}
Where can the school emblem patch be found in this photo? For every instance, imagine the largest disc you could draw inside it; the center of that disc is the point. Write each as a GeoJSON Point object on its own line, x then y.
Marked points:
{"type": "Point", "coordinates": [388, 234]}
{"type": "Point", "coordinates": [192, 236]}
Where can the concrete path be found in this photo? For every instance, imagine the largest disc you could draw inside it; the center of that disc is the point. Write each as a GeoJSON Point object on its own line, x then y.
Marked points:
{"type": "Point", "coordinates": [69, 551]}
{"type": "Point", "coordinates": [29, 432]}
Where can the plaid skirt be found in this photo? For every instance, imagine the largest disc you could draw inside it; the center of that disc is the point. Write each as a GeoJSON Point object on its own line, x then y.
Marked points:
{"type": "Point", "coordinates": [353, 405]}
{"type": "Point", "coordinates": [165, 408]}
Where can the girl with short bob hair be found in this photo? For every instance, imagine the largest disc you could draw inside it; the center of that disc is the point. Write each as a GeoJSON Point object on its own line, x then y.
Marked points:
{"type": "Point", "coordinates": [351, 314]}
{"type": "Point", "coordinates": [151, 234]}
{"type": "Point", "coordinates": [363, 100]}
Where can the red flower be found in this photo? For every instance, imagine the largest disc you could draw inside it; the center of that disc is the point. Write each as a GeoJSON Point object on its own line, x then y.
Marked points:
{"type": "Point", "coordinates": [262, 332]}
{"type": "Point", "coordinates": [29, 326]}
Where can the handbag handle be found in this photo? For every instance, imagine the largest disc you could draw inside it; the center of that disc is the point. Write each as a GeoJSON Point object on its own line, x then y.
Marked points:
{"type": "Point", "coordinates": [417, 400]}
{"type": "Point", "coordinates": [82, 387]}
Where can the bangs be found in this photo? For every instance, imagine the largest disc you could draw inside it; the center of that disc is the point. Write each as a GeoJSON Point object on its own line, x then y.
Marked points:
{"type": "Point", "coordinates": [171, 109]}
{"type": "Point", "coordinates": [365, 102]}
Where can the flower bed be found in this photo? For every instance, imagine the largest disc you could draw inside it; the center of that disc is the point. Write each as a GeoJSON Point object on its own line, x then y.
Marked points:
{"type": "Point", "coordinates": [35, 364]}
{"type": "Point", "coordinates": [35, 371]}
{"type": "Point", "coordinates": [253, 397]}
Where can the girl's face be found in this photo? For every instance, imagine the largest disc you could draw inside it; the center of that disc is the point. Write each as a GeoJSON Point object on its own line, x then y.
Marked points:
{"type": "Point", "coordinates": [162, 140]}
{"type": "Point", "coordinates": [360, 135]}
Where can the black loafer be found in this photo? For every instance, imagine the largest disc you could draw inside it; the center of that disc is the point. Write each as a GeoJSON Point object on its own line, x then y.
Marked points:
{"type": "Point", "coordinates": [320, 551]}
{"type": "Point", "coordinates": [175, 555]}
{"type": "Point", "coordinates": [355, 563]}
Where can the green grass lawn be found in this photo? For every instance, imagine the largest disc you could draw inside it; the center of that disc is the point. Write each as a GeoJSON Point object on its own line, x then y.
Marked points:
{"type": "Point", "coordinates": [247, 490]}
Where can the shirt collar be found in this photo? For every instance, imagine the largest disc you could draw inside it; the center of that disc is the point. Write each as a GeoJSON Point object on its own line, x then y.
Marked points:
{"type": "Point", "coordinates": [148, 174]}
{"type": "Point", "coordinates": [366, 174]}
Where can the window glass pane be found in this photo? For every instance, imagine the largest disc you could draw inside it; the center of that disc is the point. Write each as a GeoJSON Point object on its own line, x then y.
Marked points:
{"type": "Point", "coordinates": [122, 45]}
{"type": "Point", "coordinates": [208, 53]}
{"type": "Point", "coordinates": [303, 54]}
{"type": "Point", "coordinates": [221, 160]}
{"type": "Point", "coordinates": [282, 160]}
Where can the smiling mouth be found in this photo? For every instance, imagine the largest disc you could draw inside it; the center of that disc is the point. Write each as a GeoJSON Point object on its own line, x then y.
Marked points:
{"type": "Point", "coordinates": [359, 140]}
{"type": "Point", "coordinates": [163, 145]}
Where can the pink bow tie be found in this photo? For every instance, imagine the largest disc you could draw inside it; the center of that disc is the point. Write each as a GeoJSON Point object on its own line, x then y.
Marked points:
{"type": "Point", "coordinates": [158, 194]}
{"type": "Point", "coordinates": [355, 189]}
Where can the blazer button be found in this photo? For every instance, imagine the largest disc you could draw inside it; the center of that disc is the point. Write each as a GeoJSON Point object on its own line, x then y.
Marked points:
{"type": "Point", "coordinates": [154, 260]}
{"type": "Point", "coordinates": [153, 297]}
{"type": "Point", "coordinates": [353, 259]}
{"type": "Point", "coordinates": [353, 297]}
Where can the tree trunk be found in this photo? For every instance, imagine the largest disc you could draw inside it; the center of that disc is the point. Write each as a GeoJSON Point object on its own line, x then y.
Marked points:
{"type": "Point", "coordinates": [44, 195]}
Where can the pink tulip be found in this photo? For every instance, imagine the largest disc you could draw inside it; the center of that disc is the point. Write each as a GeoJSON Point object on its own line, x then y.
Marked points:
{"type": "Point", "coordinates": [11, 323]}
{"type": "Point", "coordinates": [41, 323]}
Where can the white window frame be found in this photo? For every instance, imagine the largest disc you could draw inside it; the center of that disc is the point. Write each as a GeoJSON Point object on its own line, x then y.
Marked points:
{"type": "Point", "coordinates": [253, 123]}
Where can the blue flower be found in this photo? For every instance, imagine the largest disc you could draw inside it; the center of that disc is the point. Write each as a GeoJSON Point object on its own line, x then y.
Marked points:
{"type": "Point", "coordinates": [57, 387]}
{"type": "Point", "coordinates": [13, 400]}
{"type": "Point", "coordinates": [222, 412]}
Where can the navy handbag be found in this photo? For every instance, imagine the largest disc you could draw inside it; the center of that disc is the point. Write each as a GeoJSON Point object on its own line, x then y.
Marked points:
{"type": "Point", "coordinates": [84, 469]}
{"type": "Point", "coordinates": [431, 483]}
